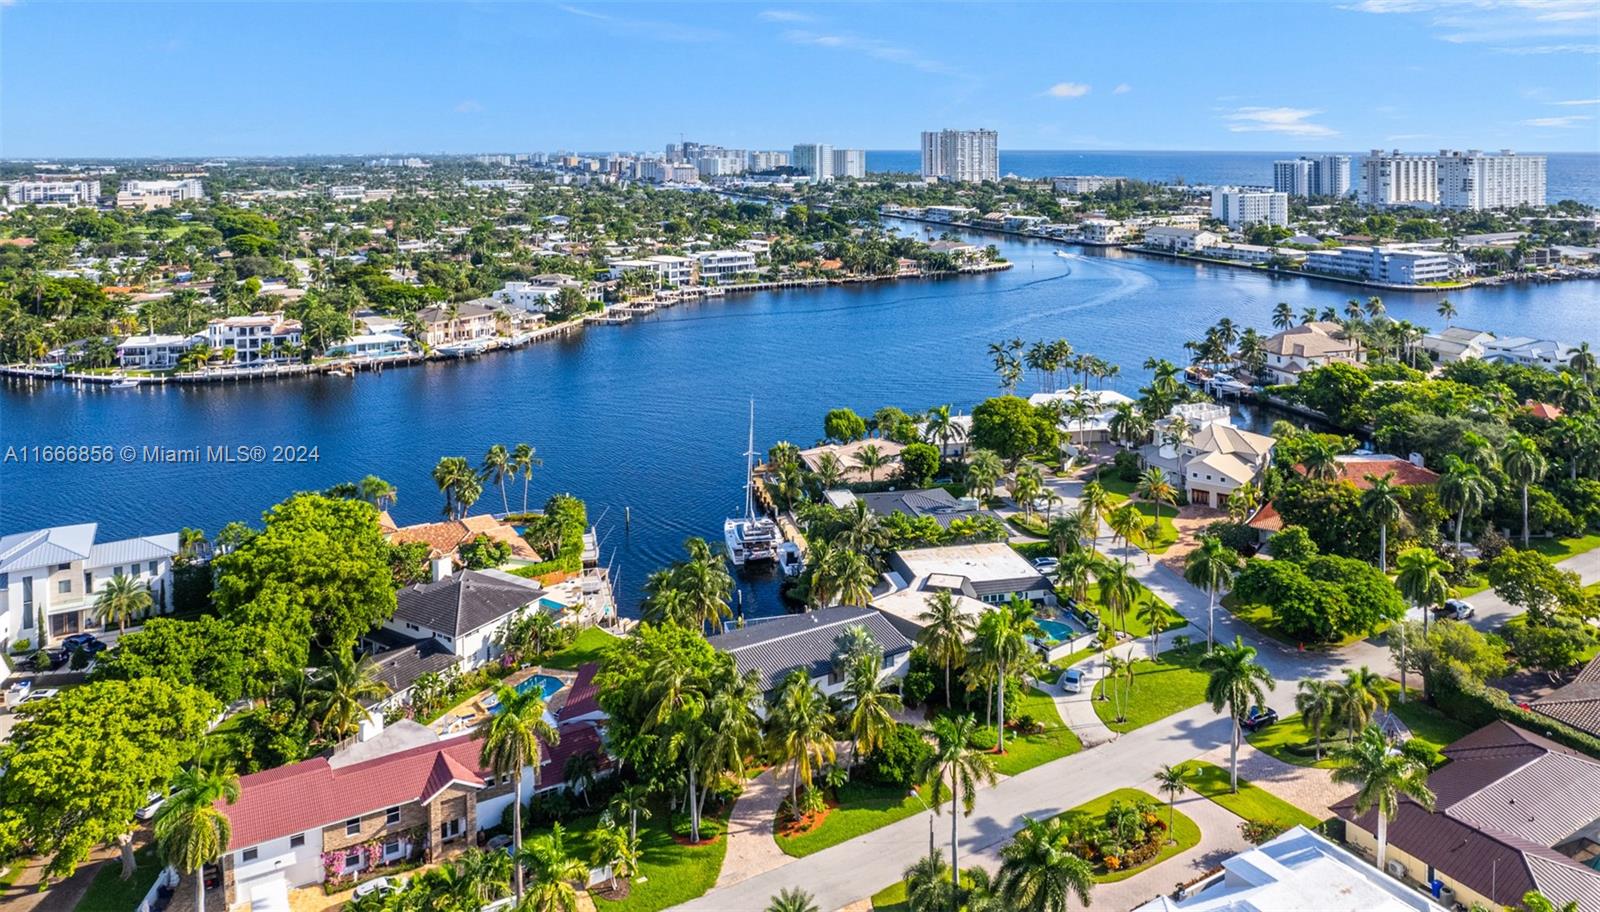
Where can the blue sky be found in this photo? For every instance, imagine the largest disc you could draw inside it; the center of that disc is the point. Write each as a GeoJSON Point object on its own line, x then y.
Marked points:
{"type": "Point", "coordinates": [241, 78]}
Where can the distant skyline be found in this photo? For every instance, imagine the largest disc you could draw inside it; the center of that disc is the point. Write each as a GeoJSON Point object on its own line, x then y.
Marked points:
{"type": "Point", "coordinates": [240, 79]}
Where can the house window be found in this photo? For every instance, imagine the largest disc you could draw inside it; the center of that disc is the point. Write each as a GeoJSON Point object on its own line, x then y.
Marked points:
{"type": "Point", "coordinates": [5, 580]}
{"type": "Point", "coordinates": [391, 816]}
{"type": "Point", "coordinates": [62, 568]}
{"type": "Point", "coordinates": [297, 840]}
{"type": "Point", "coordinates": [352, 861]}
{"type": "Point", "coordinates": [352, 826]}
{"type": "Point", "coordinates": [451, 829]}
{"type": "Point", "coordinates": [249, 855]}
{"type": "Point", "coordinates": [116, 571]}
{"type": "Point", "coordinates": [391, 848]}
{"type": "Point", "coordinates": [152, 567]}
{"type": "Point", "coordinates": [64, 587]}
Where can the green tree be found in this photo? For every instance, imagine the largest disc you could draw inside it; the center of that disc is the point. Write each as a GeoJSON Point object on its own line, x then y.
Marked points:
{"type": "Point", "coordinates": [511, 743]}
{"type": "Point", "coordinates": [1211, 567]}
{"type": "Point", "coordinates": [919, 463]}
{"type": "Point", "coordinates": [1380, 503]}
{"type": "Point", "coordinates": [524, 457]}
{"type": "Point", "coordinates": [1040, 871]}
{"type": "Point", "coordinates": [123, 599]}
{"type": "Point", "coordinates": [207, 652]}
{"type": "Point", "coordinates": [1382, 777]}
{"type": "Point", "coordinates": [872, 707]}
{"type": "Point", "coordinates": [1524, 464]}
{"type": "Point", "coordinates": [966, 767]}
{"type": "Point", "coordinates": [1359, 697]}
{"type": "Point", "coordinates": [1317, 702]}
{"type": "Point", "coordinates": [1465, 489]}
{"type": "Point", "coordinates": [1172, 781]}
{"type": "Point", "coordinates": [843, 426]}
{"type": "Point", "coordinates": [799, 730]}
{"type": "Point", "coordinates": [945, 630]}
{"type": "Point", "coordinates": [1154, 487]}
{"type": "Point", "coordinates": [499, 468]}
{"type": "Point", "coordinates": [1421, 580]}
{"type": "Point", "coordinates": [1011, 428]}
{"type": "Point", "coordinates": [792, 899]}
{"type": "Point", "coordinates": [553, 872]}
{"type": "Point", "coordinates": [189, 828]}
{"type": "Point", "coordinates": [1235, 682]}
{"type": "Point", "coordinates": [343, 689]}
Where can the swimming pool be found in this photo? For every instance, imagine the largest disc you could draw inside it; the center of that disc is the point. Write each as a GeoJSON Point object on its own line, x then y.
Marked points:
{"type": "Point", "coordinates": [1057, 631]}
{"type": "Point", "coordinates": [548, 686]}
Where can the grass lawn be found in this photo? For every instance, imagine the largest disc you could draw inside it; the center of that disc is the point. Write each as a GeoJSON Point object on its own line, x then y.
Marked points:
{"type": "Point", "coordinates": [110, 893]}
{"type": "Point", "coordinates": [1118, 491]}
{"type": "Point", "coordinates": [589, 645]}
{"type": "Point", "coordinates": [891, 898]}
{"type": "Point", "coordinates": [1290, 741]}
{"type": "Point", "coordinates": [1184, 830]}
{"type": "Point", "coordinates": [1265, 622]}
{"type": "Point", "coordinates": [1168, 684]}
{"type": "Point", "coordinates": [1136, 627]}
{"type": "Point", "coordinates": [1252, 802]}
{"type": "Point", "coordinates": [1559, 548]}
{"type": "Point", "coordinates": [1028, 751]}
{"type": "Point", "coordinates": [863, 807]}
{"type": "Point", "coordinates": [671, 873]}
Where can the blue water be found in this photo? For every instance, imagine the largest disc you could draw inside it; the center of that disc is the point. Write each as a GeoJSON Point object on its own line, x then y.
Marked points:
{"type": "Point", "coordinates": [1568, 175]}
{"type": "Point", "coordinates": [1058, 631]}
{"type": "Point", "coordinates": [548, 686]}
{"type": "Point", "coordinates": [652, 415]}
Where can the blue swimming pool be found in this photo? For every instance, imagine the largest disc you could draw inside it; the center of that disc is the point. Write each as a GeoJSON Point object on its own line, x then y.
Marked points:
{"type": "Point", "coordinates": [548, 686]}
{"type": "Point", "coordinates": [1057, 631]}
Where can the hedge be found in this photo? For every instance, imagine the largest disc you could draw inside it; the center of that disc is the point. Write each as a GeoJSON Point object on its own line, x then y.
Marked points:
{"type": "Point", "coordinates": [1458, 695]}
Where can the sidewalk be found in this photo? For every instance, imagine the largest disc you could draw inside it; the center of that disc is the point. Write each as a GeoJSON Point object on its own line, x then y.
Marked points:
{"type": "Point", "coordinates": [752, 848]}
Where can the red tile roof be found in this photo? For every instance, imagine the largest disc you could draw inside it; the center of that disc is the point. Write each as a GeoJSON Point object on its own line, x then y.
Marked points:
{"type": "Point", "coordinates": [1266, 519]}
{"type": "Point", "coordinates": [1355, 470]}
{"type": "Point", "coordinates": [583, 698]}
{"type": "Point", "coordinates": [1544, 410]}
{"type": "Point", "coordinates": [313, 794]}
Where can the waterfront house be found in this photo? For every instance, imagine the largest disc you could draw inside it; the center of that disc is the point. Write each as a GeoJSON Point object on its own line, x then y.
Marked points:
{"type": "Point", "coordinates": [937, 503]}
{"type": "Point", "coordinates": [1386, 265]}
{"type": "Point", "coordinates": [1513, 812]}
{"type": "Point", "coordinates": [1298, 349]}
{"type": "Point", "coordinates": [50, 578]}
{"type": "Point", "coordinates": [1456, 343]}
{"type": "Point", "coordinates": [1297, 871]}
{"type": "Point", "coordinates": [371, 345]}
{"type": "Point", "coordinates": [463, 610]}
{"type": "Point", "coordinates": [469, 322]}
{"type": "Point", "coordinates": [1103, 231]}
{"type": "Point", "coordinates": [1093, 427]}
{"type": "Point", "coordinates": [1180, 240]}
{"type": "Point", "coordinates": [1407, 472]}
{"type": "Point", "coordinates": [255, 339]}
{"type": "Point", "coordinates": [723, 266]}
{"type": "Point", "coordinates": [846, 453]}
{"type": "Point", "coordinates": [960, 251]}
{"type": "Point", "coordinates": [947, 213]}
{"type": "Point", "coordinates": [153, 351]}
{"type": "Point", "coordinates": [402, 796]}
{"type": "Point", "coordinates": [667, 270]}
{"type": "Point", "coordinates": [445, 538]}
{"type": "Point", "coordinates": [1528, 352]}
{"type": "Point", "coordinates": [1219, 459]}
{"type": "Point", "coordinates": [990, 573]}
{"type": "Point", "coordinates": [538, 295]}
{"type": "Point", "coordinates": [776, 647]}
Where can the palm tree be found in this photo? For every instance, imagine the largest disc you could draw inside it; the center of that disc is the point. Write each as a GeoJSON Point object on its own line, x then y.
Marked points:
{"type": "Point", "coordinates": [1095, 500]}
{"type": "Point", "coordinates": [1524, 464]}
{"type": "Point", "coordinates": [342, 691]}
{"type": "Point", "coordinates": [1421, 580]}
{"type": "Point", "coordinates": [872, 459]}
{"type": "Point", "coordinates": [1321, 461]}
{"type": "Point", "coordinates": [1154, 487]}
{"type": "Point", "coordinates": [1317, 702]}
{"type": "Point", "coordinates": [1446, 310]}
{"type": "Point", "coordinates": [189, 828]}
{"type": "Point", "coordinates": [945, 631]}
{"type": "Point", "coordinates": [1583, 360]}
{"type": "Point", "coordinates": [511, 744]}
{"type": "Point", "coordinates": [1211, 567]}
{"type": "Point", "coordinates": [1170, 780]}
{"type": "Point", "coordinates": [940, 427]}
{"type": "Point", "coordinates": [379, 493]}
{"type": "Point", "coordinates": [984, 468]}
{"type": "Point", "coordinates": [632, 801]}
{"type": "Point", "coordinates": [1382, 777]}
{"type": "Point", "coordinates": [1465, 489]}
{"type": "Point", "coordinates": [792, 899]}
{"type": "Point", "coordinates": [123, 599]}
{"type": "Point", "coordinates": [1235, 681]}
{"type": "Point", "coordinates": [1040, 872]}
{"type": "Point", "coordinates": [830, 472]}
{"type": "Point", "coordinates": [1282, 315]}
{"type": "Point", "coordinates": [525, 458]}
{"type": "Point", "coordinates": [1025, 486]}
{"type": "Point", "coordinates": [1118, 590]}
{"type": "Point", "coordinates": [1150, 612]}
{"type": "Point", "coordinates": [553, 871]}
{"type": "Point", "coordinates": [1075, 569]}
{"type": "Point", "coordinates": [873, 707]}
{"type": "Point", "coordinates": [1009, 637]}
{"type": "Point", "coordinates": [966, 766]}
{"type": "Point", "coordinates": [800, 729]}
{"type": "Point", "coordinates": [928, 884]}
{"type": "Point", "coordinates": [485, 876]}
{"type": "Point", "coordinates": [615, 849]}
{"type": "Point", "coordinates": [1359, 698]}
{"type": "Point", "coordinates": [1126, 523]}
{"type": "Point", "coordinates": [1380, 503]}
{"type": "Point", "coordinates": [498, 467]}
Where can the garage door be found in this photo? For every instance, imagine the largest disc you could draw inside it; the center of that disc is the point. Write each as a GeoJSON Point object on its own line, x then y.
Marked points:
{"type": "Point", "coordinates": [270, 894]}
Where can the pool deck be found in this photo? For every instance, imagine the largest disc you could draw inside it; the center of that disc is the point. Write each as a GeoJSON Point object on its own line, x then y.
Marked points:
{"type": "Point", "coordinates": [474, 710]}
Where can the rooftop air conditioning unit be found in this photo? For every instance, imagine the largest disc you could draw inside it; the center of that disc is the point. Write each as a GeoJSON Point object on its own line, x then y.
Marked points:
{"type": "Point", "coordinates": [1395, 868]}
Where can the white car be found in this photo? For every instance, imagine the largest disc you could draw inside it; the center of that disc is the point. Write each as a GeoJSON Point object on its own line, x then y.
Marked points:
{"type": "Point", "coordinates": [148, 812]}
{"type": "Point", "coordinates": [1072, 681]}
{"type": "Point", "coordinates": [1456, 610]}
{"type": "Point", "coordinates": [376, 885]}
{"type": "Point", "coordinates": [1046, 564]}
{"type": "Point", "coordinates": [42, 693]}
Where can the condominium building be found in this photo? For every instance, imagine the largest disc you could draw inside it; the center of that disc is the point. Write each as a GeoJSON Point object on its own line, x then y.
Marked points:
{"type": "Point", "coordinates": [1388, 265]}
{"type": "Point", "coordinates": [961, 155]}
{"type": "Point", "coordinates": [814, 160]}
{"type": "Point", "coordinates": [1395, 179]}
{"type": "Point", "coordinates": [850, 163]}
{"type": "Point", "coordinates": [1292, 176]}
{"type": "Point", "coordinates": [1330, 175]}
{"type": "Point", "coordinates": [188, 189]}
{"type": "Point", "coordinates": [56, 193]}
{"type": "Point", "coordinates": [766, 161]}
{"type": "Point", "coordinates": [1080, 183]}
{"type": "Point", "coordinates": [1237, 207]}
{"type": "Point", "coordinates": [657, 171]}
{"type": "Point", "coordinates": [1490, 180]}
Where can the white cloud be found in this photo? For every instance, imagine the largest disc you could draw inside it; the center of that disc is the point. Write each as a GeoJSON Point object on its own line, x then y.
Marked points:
{"type": "Point", "coordinates": [1509, 25]}
{"type": "Point", "coordinates": [1122, 89]}
{"type": "Point", "coordinates": [1577, 102]}
{"type": "Point", "coordinates": [777, 15]}
{"type": "Point", "coordinates": [1068, 90]}
{"type": "Point", "coordinates": [1287, 121]}
{"type": "Point", "coordinates": [468, 106]}
{"type": "Point", "coordinates": [1558, 123]}
{"type": "Point", "coordinates": [874, 48]}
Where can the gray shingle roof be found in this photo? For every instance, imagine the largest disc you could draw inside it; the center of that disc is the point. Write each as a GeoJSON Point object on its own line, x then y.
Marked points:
{"type": "Point", "coordinates": [935, 502]}
{"type": "Point", "coordinates": [773, 648]}
{"type": "Point", "coordinates": [464, 601]}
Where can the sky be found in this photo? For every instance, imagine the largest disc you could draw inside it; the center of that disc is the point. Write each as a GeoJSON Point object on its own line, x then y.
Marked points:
{"type": "Point", "coordinates": [242, 78]}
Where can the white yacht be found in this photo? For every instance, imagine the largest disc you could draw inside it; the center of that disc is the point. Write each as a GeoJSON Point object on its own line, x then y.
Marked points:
{"type": "Point", "coordinates": [751, 538]}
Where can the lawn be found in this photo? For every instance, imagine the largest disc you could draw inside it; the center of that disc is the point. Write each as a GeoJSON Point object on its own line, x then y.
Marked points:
{"type": "Point", "coordinates": [1136, 627]}
{"type": "Point", "coordinates": [1252, 802]}
{"type": "Point", "coordinates": [863, 807]}
{"type": "Point", "coordinates": [1290, 741]}
{"type": "Point", "coordinates": [669, 873]}
{"type": "Point", "coordinates": [590, 644]}
{"type": "Point", "coordinates": [891, 898]}
{"type": "Point", "coordinates": [1184, 830]}
{"type": "Point", "coordinates": [1560, 548]}
{"type": "Point", "coordinates": [1168, 684]}
{"type": "Point", "coordinates": [108, 892]}
{"type": "Point", "coordinates": [1118, 491]}
{"type": "Point", "coordinates": [1024, 752]}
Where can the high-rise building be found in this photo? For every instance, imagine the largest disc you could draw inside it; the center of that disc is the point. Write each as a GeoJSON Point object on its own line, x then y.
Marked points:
{"type": "Point", "coordinates": [1292, 176]}
{"type": "Point", "coordinates": [1249, 207]}
{"type": "Point", "coordinates": [1325, 175]}
{"type": "Point", "coordinates": [766, 161]}
{"type": "Point", "coordinates": [1483, 180]}
{"type": "Point", "coordinates": [814, 160]}
{"type": "Point", "coordinates": [53, 192]}
{"type": "Point", "coordinates": [1393, 179]}
{"type": "Point", "coordinates": [965, 156]}
{"type": "Point", "coordinates": [850, 163]}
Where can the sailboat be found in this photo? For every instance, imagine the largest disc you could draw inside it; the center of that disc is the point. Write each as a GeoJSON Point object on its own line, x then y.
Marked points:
{"type": "Point", "coordinates": [751, 538]}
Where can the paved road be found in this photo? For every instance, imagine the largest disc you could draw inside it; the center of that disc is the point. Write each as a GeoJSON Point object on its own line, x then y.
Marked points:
{"type": "Point", "coordinates": [1492, 610]}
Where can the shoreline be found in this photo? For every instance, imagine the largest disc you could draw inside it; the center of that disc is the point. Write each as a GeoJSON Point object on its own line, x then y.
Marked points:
{"type": "Point", "coordinates": [613, 315]}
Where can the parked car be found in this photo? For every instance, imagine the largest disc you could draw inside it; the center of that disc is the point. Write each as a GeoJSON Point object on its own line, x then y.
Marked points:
{"type": "Point", "coordinates": [155, 800]}
{"type": "Point", "coordinates": [40, 693]}
{"type": "Point", "coordinates": [1072, 681]}
{"type": "Point", "coordinates": [85, 642]}
{"type": "Point", "coordinates": [1456, 610]}
{"type": "Point", "coordinates": [376, 885]}
{"type": "Point", "coordinates": [1046, 564]}
{"type": "Point", "coordinates": [1258, 718]}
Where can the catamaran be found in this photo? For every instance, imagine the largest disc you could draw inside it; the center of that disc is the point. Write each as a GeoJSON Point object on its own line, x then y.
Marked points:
{"type": "Point", "coordinates": [751, 537]}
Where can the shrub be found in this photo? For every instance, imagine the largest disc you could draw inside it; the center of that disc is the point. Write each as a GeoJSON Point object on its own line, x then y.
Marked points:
{"type": "Point", "coordinates": [986, 738]}
{"type": "Point", "coordinates": [897, 760]}
{"type": "Point", "coordinates": [1491, 544]}
{"type": "Point", "coordinates": [1237, 536]}
{"type": "Point", "coordinates": [1256, 832]}
{"type": "Point", "coordinates": [1292, 544]}
{"type": "Point", "coordinates": [1127, 465]}
{"type": "Point", "coordinates": [21, 646]}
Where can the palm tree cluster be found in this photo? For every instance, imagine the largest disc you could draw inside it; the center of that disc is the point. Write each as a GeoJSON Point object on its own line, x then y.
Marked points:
{"type": "Point", "coordinates": [462, 484]}
{"type": "Point", "coordinates": [1334, 706]}
{"type": "Point", "coordinates": [1226, 345]}
{"type": "Point", "coordinates": [1049, 361]}
{"type": "Point", "coordinates": [693, 592]}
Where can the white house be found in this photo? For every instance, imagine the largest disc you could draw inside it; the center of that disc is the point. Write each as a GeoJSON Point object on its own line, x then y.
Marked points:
{"type": "Point", "coordinates": [463, 611]}
{"type": "Point", "coordinates": [989, 572]}
{"type": "Point", "coordinates": [1180, 240]}
{"type": "Point", "coordinates": [538, 294]}
{"type": "Point", "coordinates": [53, 576]}
{"type": "Point", "coordinates": [668, 270]}
{"type": "Point", "coordinates": [1528, 352]}
{"type": "Point", "coordinates": [721, 266]}
{"type": "Point", "coordinates": [153, 351]}
{"type": "Point", "coordinates": [249, 337]}
{"type": "Point", "coordinates": [774, 648]}
{"type": "Point", "coordinates": [1309, 345]}
{"type": "Point", "coordinates": [1102, 231]}
{"type": "Point", "coordinates": [1092, 427]}
{"type": "Point", "coordinates": [372, 345]}
{"type": "Point", "coordinates": [1456, 343]}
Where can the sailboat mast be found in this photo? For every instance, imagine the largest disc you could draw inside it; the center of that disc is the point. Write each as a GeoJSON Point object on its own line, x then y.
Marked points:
{"type": "Point", "coordinates": [750, 465]}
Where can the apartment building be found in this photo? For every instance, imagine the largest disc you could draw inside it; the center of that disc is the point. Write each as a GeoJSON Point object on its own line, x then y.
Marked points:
{"type": "Point", "coordinates": [850, 163]}
{"type": "Point", "coordinates": [1180, 240]}
{"type": "Point", "coordinates": [257, 338]}
{"type": "Point", "coordinates": [1396, 179]}
{"type": "Point", "coordinates": [53, 193]}
{"type": "Point", "coordinates": [1484, 180]}
{"type": "Point", "coordinates": [1323, 175]}
{"type": "Point", "coordinates": [1082, 183]}
{"type": "Point", "coordinates": [1388, 265]}
{"type": "Point", "coordinates": [766, 161]}
{"type": "Point", "coordinates": [963, 156]}
{"type": "Point", "coordinates": [1103, 231]}
{"type": "Point", "coordinates": [50, 578]}
{"type": "Point", "coordinates": [1237, 208]}
{"type": "Point", "coordinates": [814, 160]}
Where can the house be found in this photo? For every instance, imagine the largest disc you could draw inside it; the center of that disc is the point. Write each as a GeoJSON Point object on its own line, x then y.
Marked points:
{"type": "Point", "coordinates": [401, 796]}
{"type": "Point", "coordinates": [1513, 812]}
{"type": "Point", "coordinates": [1406, 472]}
{"type": "Point", "coordinates": [1301, 348]}
{"type": "Point", "coordinates": [846, 453]}
{"type": "Point", "coordinates": [50, 578]}
{"type": "Point", "coordinates": [463, 611]}
{"type": "Point", "coordinates": [1297, 871]}
{"type": "Point", "coordinates": [1219, 459]}
{"type": "Point", "coordinates": [915, 503]}
{"type": "Point", "coordinates": [371, 345]}
{"type": "Point", "coordinates": [960, 251]}
{"type": "Point", "coordinates": [1543, 411]}
{"type": "Point", "coordinates": [260, 337]}
{"type": "Point", "coordinates": [1103, 231]}
{"type": "Point", "coordinates": [1180, 240]}
{"type": "Point", "coordinates": [538, 295]}
{"type": "Point", "coordinates": [1456, 343]}
{"type": "Point", "coordinates": [1546, 353]}
{"type": "Point", "coordinates": [467, 322]}
{"type": "Point", "coordinates": [666, 270]}
{"type": "Point", "coordinates": [1576, 703]}
{"type": "Point", "coordinates": [153, 351]}
{"type": "Point", "coordinates": [776, 647]}
{"type": "Point", "coordinates": [722, 266]}
{"type": "Point", "coordinates": [445, 538]}
{"type": "Point", "coordinates": [947, 213]}
{"type": "Point", "coordinates": [989, 573]}
{"type": "Point", "coordinates": [1094, 426]}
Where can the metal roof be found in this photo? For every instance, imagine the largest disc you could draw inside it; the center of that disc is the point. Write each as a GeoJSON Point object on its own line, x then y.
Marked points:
{"type": "Point", "coordinates": [776, 647]}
